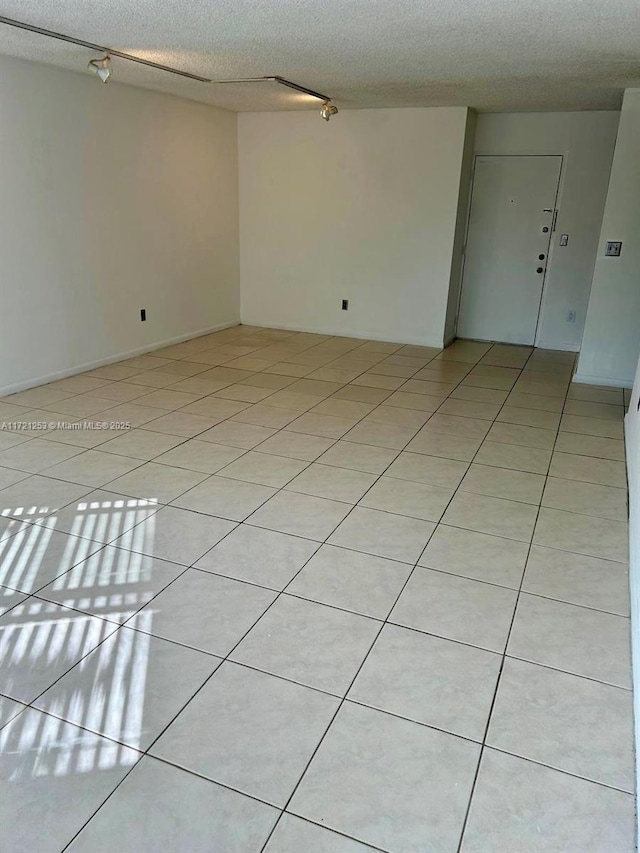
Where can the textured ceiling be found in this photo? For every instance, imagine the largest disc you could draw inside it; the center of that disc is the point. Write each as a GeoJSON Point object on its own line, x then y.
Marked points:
{"type": "Point", "coordinates": [493, 55]}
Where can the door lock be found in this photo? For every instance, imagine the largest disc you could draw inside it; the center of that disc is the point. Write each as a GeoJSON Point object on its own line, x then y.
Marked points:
{"type": "Point", "coordinates": [554, 211]}
{"type": "Point", "coordinates": [541, 257]}
{"type": "Point", "coordinates": [540, 269]}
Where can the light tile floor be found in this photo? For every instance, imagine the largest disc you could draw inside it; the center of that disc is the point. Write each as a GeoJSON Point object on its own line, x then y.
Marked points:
{"type": "Point", "coordinates": [324, 595]}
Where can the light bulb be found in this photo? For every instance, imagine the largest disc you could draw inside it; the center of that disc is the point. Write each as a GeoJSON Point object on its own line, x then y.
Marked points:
{"type": "Point", "coordinates": [102, 67]}
{"type": "Point", "coordinates": [328, 110]}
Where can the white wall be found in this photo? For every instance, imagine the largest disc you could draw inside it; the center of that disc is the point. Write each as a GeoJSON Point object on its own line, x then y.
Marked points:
{"type": "Point", "coordinates": [586, 140]}
{"type": "Point", "coordinates": [632, 437]}
{"type": "Point", "coordinates": [611, 340]}
{"type": "Point", "coordinates": [464, 197]}
{"type": "Point", "coordinates": [113, 199]}
{"type": "Point", "coordinates": [363, 208]}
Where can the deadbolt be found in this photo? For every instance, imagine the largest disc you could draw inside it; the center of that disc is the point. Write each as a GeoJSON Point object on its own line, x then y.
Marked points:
{"type": "Point", "coordinates": [545, 230]}
{"type": "Point", "coordinates": [540, 269]}
{"type": "Point", "coordinates": [541, 257]}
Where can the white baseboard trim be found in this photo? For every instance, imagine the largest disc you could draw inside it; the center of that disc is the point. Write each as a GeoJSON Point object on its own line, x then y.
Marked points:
{"type": "Point", "coordinates": [555, 345]}
{"type": "Point", "coordinates": [585, 379]}
{"type": "Point", "coordinates": [101, 362]}
{"type": "Point", "coordinates": [345, 333]}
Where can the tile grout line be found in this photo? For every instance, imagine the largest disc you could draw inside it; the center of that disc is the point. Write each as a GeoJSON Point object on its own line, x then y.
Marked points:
{"type": "Point", "coordinates": [383, 402]}
{"type": "Point", "coordinates": [247, 450]}
{"type": "Point", "coordinates": [225, 420]}
{"type": "Point", "coordinates": [223, 660]}
{"type": "Point", "coordinates": [484, 745]}
{"type": "Point", "coordinates": [472, 789]}
{"type": "Point", "coordinates": [344, 698]}
{"type": "Point", "coordinates": [283, 591]}
{"type": "Point", "coordinates": [283, 428]}
{"type": "Point", "coordinates": [244, 520]}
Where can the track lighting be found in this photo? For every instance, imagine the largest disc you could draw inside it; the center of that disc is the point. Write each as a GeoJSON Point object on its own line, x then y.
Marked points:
{"type": "Point", "coordinates": [102, 67]}
{"type": "Point", "coordinates": [328, 110]}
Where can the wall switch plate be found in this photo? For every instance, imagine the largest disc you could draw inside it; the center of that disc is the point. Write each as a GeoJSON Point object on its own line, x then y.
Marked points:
{"type": "Point", "coordinates": [345, 304]}
{"type": "Point", "coordinates": [613, 250]}
{"type": "Point", "coordinates": [571, 316]}
{"type": "Point", "coordinates": [564, 239]}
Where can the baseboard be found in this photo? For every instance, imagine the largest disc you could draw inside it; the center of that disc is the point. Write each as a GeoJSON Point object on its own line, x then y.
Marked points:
{"type": "Point", "coordinates": [101, 362]}
{"type": "Point", "coordinates": [585, 379]}
{"type": "Point", "coordinates": [557, 346]}
{"type": "Point", "coordinates": [346, 333]}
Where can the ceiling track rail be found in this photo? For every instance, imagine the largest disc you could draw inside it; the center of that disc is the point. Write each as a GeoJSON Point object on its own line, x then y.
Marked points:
{"type": "Point", "coordinates": [130, 57]}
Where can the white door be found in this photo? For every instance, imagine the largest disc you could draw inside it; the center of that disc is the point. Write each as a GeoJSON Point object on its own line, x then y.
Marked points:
{"type": "Point", "coordinates": [510, 223]}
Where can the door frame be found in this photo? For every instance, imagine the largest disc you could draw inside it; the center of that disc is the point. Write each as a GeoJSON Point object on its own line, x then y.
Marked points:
{"type": "Point", "coordinates": [559, 191]}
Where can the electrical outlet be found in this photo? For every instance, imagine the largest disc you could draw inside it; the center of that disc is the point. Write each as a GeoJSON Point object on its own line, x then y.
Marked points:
{"type": "Point", "coordinates": [571, 316]}
{"type": "Point", "coordinates": [345, 304]}
{"type": "Point", "coordinates": [143, 315]}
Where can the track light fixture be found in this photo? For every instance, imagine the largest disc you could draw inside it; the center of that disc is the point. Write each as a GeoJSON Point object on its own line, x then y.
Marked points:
{"type": "Point", "coordinates": [102, 67]}
{"type": "Point", "coordinates": [328, 110]}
